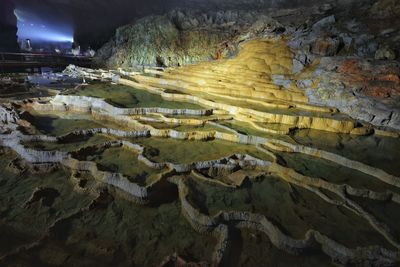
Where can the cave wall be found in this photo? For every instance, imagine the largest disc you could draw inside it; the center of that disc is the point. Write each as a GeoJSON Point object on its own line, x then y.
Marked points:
{"type": "Point", "coordinates": [95, 21]}
{"type": "Point", "coordinates": [8, 27]}
{"type": "Point", "coordinates": [243, 4]}
{"type": "Point", "coordinates": [109, 18]}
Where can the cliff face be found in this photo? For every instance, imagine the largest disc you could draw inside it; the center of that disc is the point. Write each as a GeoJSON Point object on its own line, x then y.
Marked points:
{"type": "Point", "coordinates": [243, 4]}
{"type": "Point", "coordinates": [178, 38]}
{"type": "Point", "coordinates": [95, 21]}
{"type": "Point", "coordinates": [206, 30]}
{"type": "Point", "coordinates": [342, 58]}
{"type": "Point", "coordinates": [8, 27]}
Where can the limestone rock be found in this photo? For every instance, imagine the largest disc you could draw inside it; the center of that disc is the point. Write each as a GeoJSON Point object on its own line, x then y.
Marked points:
{"type": "Point", "coordinates": [365, 90]}
{"type": "Point", "coordinates": [161, 41]}
{"type": "Point", "coordinates": [9, 119]}
{"type": "Point", "coordinates": [385, 52]}
{"type": "Point", "coordinates": [8, 116]}
{"type": "Point", "coordinates": [184, 36]}
{"type": "Point", "coordinates": [326, 46]}
{"type": "Point", "coordinates": [265, 24]}
{"type": "Point", "coordinates": [366, 45]}
{"type": "Point", "coordinates": [298, 66]}
{"type": "Point", "coordinates": [324, 23]}
{"type": "Point", "coordinates": [386, 8]}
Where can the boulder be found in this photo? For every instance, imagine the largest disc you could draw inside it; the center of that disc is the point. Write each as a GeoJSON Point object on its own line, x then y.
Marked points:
{"type": "Point", "coordinates": [265, 24]}
{"type": "Point", "coordinates": [324, 23]}
{"type": "Point", "coordinates": [386, 9]}
{"type": "Point", "coordinates": [385, 52]}
{"type": "Point", "coordinates": [326, 46]}
{"type": "Point", "coordinates": [365, 45]}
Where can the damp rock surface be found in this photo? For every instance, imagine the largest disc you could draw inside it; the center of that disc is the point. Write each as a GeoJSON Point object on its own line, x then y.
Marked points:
{"type": "Point", "coordinates": [234, 138]}
{"type": "Point", "coordinates": [101, 181]}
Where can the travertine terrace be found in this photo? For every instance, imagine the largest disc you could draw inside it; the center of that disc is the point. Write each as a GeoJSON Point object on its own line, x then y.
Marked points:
{"type": "Point", "coordinates": [225, 100]}
{"type": "Point", "coordinates": [229, 138]}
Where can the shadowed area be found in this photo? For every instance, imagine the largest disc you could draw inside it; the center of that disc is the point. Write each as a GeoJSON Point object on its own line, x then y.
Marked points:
{"type": "Point", "coordinates": [209, 133]}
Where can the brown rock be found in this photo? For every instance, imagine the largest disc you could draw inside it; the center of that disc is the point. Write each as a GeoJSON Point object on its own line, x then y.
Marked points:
{"type": "Point", "coordinates": [326, 46]}
{"type": "Point", "coordinates": [237, 178]}
{"type": "Point", "coordinates": [383, 82]}
{"type": "Point", "coordinates": [349, 66]}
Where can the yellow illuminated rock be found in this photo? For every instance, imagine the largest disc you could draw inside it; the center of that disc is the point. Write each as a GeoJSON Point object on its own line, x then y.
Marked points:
{"type": "Point", "coordinates": [246, 87]}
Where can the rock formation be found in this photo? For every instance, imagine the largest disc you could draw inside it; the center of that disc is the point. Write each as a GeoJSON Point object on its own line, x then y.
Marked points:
{"type": "Point", "coordinates": [214, 138]}
{"type": "Point", "coordinates": [327, 58]}
{"type": "Point", "coordinates": [179, 38]}
{"type": "Point", "coordinates": [216, 224]}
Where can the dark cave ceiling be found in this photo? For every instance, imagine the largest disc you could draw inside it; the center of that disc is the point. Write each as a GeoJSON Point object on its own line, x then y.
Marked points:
{"type": "Point", "coordinates": [94, 21]}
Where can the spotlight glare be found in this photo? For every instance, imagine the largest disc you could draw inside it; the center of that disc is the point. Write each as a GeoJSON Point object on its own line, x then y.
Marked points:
{"type": "Point", "coordinates": [39, 30]}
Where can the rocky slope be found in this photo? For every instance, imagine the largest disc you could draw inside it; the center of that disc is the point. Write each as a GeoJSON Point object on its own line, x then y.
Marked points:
{"type": "Point", "coordinates": [364, 29]}
{"type": "Point", "coordinates": [95, 21]}
{"type": "Point", "coordinates": [317, 204]}
{"type": "Point", "coordinates": [178, 38]}
{"type": "Point", "coordinates": [248, 159]}
{"type": "Point", "coordinates": [339, 58]}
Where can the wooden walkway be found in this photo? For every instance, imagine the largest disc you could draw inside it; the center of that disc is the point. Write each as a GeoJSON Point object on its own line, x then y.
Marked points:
{"type": "Point", "coordinates": [29, 61]}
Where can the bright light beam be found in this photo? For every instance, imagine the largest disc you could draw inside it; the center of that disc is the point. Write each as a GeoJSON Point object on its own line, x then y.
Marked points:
{"type": "Point", "coordinates": [36, 29]}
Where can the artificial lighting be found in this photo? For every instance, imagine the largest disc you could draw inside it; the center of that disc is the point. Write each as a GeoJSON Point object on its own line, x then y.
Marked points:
{"type": "Point", "coordinates": [36, 29]}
